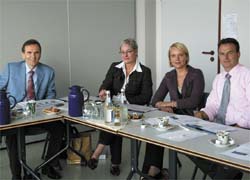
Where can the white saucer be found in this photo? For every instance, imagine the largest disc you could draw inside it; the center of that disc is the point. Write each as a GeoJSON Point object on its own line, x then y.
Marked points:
{"type": "Point", "coordinates": [135, 120]}
{"type": "Point", "coordinates": [165, 128]}
{"type": "Point", "coordinates": [231, 142]}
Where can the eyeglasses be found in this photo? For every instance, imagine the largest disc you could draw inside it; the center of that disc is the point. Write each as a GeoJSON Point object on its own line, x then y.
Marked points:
{"type": "Point", "coordinates": [126, 52]}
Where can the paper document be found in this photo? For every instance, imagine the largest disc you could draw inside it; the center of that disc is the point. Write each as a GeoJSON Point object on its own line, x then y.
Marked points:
{"type": "Point", "coordinates": [152, 121]}
{"type": "Point", "coordinates": [241, 152]}
{"type": "Point", "coordinates": [181, 135]}
{"type": "Point", "coordinates": [139, 108]}
{"type": "Point", "coordinates": [41, 104]}
{"type": "Point", "coordinates": [200, 124]}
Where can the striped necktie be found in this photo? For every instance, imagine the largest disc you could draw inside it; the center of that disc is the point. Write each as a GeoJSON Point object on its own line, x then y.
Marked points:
{"type": "Point", "coordinates": [221, 115]}
{"type": "Point", "coordinates": [31, 88]}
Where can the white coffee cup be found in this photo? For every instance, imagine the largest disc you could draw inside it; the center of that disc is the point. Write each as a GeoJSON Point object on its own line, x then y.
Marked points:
{"type": "Point", "coordinates": [223, 137]}
{"type": "Point", "coordinates": [163, 123]}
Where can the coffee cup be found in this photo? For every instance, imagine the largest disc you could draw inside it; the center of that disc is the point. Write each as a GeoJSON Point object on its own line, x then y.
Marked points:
{"type": "Point", "coordinates": [223, 137]}
{"type": "Point", "coordinates": [163, 122]}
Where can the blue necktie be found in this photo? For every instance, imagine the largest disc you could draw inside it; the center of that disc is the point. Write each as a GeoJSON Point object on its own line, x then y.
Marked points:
{"type": "Point", "coordinates": [221, 115]}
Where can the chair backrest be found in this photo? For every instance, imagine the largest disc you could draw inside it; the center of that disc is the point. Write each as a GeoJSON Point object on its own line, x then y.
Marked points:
{"type": "Point", "coordinates": [203, 100]}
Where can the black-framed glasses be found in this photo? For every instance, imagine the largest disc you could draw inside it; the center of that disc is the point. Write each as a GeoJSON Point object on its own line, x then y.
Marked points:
{"type": "Point", "coordinates": [126, 52]}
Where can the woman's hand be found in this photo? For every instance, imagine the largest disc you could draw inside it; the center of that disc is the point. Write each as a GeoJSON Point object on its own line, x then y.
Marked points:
{"type": "Point", "coordinates": [102, 94]}
{"type": "Point", "coordinates": [167, 109]}
{"type": "Point", "coordinates": [162, 104]}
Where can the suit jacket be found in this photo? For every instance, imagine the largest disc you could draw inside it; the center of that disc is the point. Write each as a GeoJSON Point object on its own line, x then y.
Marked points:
{"type": "Point", "coordinates": [192, 90]}
{"type": "Point", "coordinates": [13, 79]}
{"type": "Point", "coordinates": [139, 88]}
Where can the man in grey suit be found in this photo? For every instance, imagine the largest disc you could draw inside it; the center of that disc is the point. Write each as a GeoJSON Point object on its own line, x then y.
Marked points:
{"type": "Point", "coordinates": [15, 79]}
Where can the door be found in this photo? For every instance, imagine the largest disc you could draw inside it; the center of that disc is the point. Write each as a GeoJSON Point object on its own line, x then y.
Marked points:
{"type": "Point", "coordinates": [194, 23]}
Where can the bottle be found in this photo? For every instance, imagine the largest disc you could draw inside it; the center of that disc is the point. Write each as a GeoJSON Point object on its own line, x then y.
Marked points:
{"type": "Point", "coordinates": [108, 109]}
{"type": "Point", "coordinates": [123, 106]}
{"type": "Point", "coordinates": [117, 115]}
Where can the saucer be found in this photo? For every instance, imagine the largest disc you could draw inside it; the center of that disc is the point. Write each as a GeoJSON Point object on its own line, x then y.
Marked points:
{"type": "Point", "coordinates": [165, 128]}
{"type": "Point", "coordinates": [48, 111]}
{"type": "Point", "coordinates": [231, 142]}
{"type": "Point", "coordinates": [135, 120]}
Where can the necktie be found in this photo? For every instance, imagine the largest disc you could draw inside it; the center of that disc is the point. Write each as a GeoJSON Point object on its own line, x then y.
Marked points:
{"type": "Point", "coordinates": [31, 89]}
{"type": "Point", "coordinates": [221, 115]}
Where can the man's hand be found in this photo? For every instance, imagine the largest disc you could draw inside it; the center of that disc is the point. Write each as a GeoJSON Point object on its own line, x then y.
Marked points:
{"type": "Point", "coordinates": [201, 115]}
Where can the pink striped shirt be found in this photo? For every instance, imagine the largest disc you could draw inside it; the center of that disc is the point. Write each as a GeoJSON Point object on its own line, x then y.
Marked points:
{"type": "Point", "coordinates": [238, 110]}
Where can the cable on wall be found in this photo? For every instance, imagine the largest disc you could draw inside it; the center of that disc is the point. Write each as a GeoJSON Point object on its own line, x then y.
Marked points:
{"type": "Point", "coordinates": [69, 59]}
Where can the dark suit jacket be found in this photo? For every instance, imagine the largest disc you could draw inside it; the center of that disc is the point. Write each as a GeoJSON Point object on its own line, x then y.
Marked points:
{"type": "Point", "coordinates": [139, 88]}
{"type": "Point", "coordinates": [192, 90]}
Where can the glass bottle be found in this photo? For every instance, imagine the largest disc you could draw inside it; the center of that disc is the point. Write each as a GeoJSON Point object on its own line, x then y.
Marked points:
{"type": "Point", "coordinates": [108, 109]}
{"type": "Point", "coordinates": [123, 106]}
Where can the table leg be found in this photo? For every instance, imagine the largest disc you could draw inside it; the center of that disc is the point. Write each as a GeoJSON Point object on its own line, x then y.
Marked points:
{"type": "Point", "coordinates": [134, 160]}
{"type": "Point", "coordinates": [22, 153]}
{"type": "Point", "coordinates": [172, 164]}
{"type": "Point", "coordinates": [59, 152]}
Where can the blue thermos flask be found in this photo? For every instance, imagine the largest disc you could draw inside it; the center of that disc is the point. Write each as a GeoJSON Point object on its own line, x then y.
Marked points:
{"type": "Point", "coordinates": [76, 100]}
{"type": "Point", "coordinates": [5, 107]}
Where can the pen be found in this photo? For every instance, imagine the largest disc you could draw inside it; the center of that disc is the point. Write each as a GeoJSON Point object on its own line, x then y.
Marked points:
{"type": "Point", "coordinates": [199, 128]}
{"type": "Point", "coordinates": [239, 153]}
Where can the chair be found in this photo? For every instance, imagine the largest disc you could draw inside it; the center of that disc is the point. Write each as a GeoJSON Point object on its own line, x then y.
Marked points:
{"type": "Point", "coordinates": [202, 105]}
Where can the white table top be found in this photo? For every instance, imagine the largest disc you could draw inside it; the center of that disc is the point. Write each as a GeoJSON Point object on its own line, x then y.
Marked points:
{"type": "Point", "coordinates": [200, 146]}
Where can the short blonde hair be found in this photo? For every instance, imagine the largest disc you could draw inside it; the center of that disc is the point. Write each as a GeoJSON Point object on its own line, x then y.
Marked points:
{"type": "Point", "coordinates": [181, 47]}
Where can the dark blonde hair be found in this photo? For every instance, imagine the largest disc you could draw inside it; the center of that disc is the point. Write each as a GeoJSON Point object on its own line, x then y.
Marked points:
{"type": "Point", "coordinates": [181, 47]}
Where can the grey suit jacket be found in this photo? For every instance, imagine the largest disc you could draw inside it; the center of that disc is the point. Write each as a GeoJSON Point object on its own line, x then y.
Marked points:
{"type": "Point", "coordinates": [13, 78]}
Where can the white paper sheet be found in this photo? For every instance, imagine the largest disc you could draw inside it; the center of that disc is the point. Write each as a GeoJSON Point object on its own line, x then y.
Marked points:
{"type": "Point", "coordinates": [139, 108]}
{"type": "Point", "coordinates": [230, 25]}
{"type": "Point", "coordinates": [201, 124]}
{"type": "Point", "coordinates": [181, 135]}
{"type": "Point", "coordinates": [152, 121]}
{"type": "Point", "coordinates": [241, 152]}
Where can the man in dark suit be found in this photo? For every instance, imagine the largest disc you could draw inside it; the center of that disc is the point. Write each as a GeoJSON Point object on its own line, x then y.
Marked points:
{"type": "Point", "coordinates": [15, 78]}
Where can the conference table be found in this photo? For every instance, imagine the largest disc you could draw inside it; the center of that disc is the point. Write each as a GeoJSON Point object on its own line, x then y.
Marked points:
{"type": "Point", "coordinates": [136, 133]}
{"type": "Point", "coordinates": [18, 125]}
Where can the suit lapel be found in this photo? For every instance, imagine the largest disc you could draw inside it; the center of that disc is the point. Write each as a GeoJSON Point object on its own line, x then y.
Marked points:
{"type": "Point", "coordinates": [22, 79]}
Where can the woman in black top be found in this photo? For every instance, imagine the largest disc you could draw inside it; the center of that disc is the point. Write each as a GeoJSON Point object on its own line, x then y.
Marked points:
{"type": "Point", "coordinates": [136, 80]}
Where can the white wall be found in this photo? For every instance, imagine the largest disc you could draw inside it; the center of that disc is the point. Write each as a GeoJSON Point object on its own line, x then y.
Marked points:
{"type": "Point", "coordinates": [79, 38]}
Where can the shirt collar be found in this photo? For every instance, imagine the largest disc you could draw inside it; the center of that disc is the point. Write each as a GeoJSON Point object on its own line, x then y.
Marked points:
{"type": "Point", "coordinates": [233, 71]}
{"type": "Point", "coordinates": [137, 66]}
{"type": "Point", "coordinates": [28, 69]}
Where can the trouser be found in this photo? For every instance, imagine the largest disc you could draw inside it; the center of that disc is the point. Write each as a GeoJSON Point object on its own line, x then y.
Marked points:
{"type": "Point", "coordinates": [153, 157]}
{"type": "Point", "coordinates": [56, 130]}
{"type": "Point", "coordinates": [115, 143]}
{"type": "Point", "coordinates": [215, 170]}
